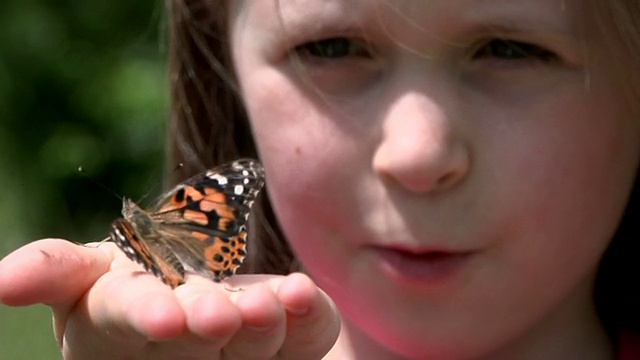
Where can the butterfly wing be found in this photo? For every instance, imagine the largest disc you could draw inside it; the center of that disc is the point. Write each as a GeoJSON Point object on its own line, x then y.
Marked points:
{"type": "Point", "coordinates": [155, 258]}
{"type": "Point", "coordinates": [203, 220]}
{"type": "Point", "coordinates": [212, 256]}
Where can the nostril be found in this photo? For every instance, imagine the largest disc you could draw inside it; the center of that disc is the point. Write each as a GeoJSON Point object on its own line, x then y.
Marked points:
{"type": "Point", "coordinates": [422, 171]}
{"type": "Point", "coordinates": [445, 181]}
{"type": "Point", "coordinates": [448, 180]}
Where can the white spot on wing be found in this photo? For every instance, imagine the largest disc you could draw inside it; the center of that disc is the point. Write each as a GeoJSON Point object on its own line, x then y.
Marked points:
{"type": "Point", "coordinates": [238, 189]}
{"type": "Point", "coordinates": [222, 180]}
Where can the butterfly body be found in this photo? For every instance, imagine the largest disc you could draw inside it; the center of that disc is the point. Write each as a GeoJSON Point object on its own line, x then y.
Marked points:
{"type": "Point", "coordinates": [200, 225]}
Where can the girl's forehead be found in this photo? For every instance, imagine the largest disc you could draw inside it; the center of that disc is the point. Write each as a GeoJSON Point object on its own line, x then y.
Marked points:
{"type": "Point", "coordinates": [545, 16]}
{"type": "Point", "coordinates": [409, 21]}
{"type": "Point", "coordinates": [291, 10]}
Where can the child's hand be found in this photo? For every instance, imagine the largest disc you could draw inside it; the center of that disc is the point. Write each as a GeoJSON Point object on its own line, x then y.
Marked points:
{"type": "Point", "coordinates": [106, 307]}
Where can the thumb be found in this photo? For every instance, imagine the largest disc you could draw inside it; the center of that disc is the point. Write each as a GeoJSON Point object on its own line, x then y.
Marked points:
{"type": "Point", "coordinates": [55, 272]}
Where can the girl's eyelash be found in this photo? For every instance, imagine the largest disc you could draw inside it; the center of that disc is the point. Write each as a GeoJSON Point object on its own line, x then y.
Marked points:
{"type": "Point", "coordinates": [497, 48]}
{"type": "Point", "coordinates": [506, 49]}
{"type": "Point", "coordinates": [331, 48]}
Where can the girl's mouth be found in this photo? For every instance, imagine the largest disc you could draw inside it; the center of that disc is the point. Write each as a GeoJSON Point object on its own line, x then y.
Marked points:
{"type": "Point", "coordinates": [425, 268]}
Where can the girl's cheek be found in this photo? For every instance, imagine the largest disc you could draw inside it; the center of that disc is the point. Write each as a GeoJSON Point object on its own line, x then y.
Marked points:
{"type": "Point", "coordinates": [286, 130]}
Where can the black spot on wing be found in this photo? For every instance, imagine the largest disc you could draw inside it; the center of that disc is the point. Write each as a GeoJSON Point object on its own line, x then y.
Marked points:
{"type": "Point", "coordinates": [179, 195]}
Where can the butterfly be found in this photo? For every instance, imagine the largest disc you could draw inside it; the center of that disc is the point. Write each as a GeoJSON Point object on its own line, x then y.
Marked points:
{"type": "Point", "coordinates": [200, 225]}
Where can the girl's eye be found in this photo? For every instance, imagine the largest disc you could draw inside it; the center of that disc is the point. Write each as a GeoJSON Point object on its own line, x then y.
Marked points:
{"type": "Point", "coordinates": [337, 65]}
{"type": "Point", "coordinates": [332, 48]}
{"type": "Point", "coordinates": [513, 50]}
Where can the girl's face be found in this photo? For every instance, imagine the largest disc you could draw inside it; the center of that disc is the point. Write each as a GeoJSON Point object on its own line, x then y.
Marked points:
{"type": "Point", "coordinates": [450, 172]}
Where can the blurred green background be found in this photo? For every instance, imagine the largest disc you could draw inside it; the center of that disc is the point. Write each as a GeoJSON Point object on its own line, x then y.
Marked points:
{"type": "Point", "coordinates": [82, 83]}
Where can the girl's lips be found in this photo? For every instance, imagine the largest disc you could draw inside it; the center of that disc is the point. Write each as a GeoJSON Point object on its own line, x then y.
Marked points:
{"type": "Point", "coordinates": [420, 267]}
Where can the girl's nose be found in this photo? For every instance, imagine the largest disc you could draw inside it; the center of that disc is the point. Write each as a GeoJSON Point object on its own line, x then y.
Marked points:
{"type": "Point", "coordinates": [420, 147]}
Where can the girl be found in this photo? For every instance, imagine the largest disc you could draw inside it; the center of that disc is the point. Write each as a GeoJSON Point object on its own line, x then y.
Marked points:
{"type": "Point", "coordinates": [456, 175]}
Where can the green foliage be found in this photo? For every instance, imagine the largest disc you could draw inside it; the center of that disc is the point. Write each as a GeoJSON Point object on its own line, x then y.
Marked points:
{"type": "Point", "coordinates": [26, 333]}
{"type": "Point", "coordinates": [82, 83]}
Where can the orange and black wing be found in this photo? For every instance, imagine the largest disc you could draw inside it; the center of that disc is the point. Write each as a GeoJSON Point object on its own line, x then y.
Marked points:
{"type": "Point", "coordinates": [203, 220]}
{"type": "Point", "coordinates": [155, 259]}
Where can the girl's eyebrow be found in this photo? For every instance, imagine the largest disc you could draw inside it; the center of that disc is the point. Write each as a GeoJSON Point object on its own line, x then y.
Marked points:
{"type": "Point", "coordinates": [515, 19]}
{"type": "Point", "coordinates": [296, 14]}
{"type": "Point", "coordinates": [562, 35]}
{"type": "Point", "coordinates": [516, 27]}
{"type": "Point", "coordinates": [520, 30]}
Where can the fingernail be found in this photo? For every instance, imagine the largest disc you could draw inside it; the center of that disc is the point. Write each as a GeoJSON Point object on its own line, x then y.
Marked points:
{"type": "Point", "coordinates": [301, 311]}
{"type": "Point", "coordinates": [261, 328]}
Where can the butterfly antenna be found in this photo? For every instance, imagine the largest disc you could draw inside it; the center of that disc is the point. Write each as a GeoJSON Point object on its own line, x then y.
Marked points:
{"type": "Point", "coordinates": [84, 173]}
{"type": "Point", "coordinates": [96, 244]}
{"type": "Point", "coordinates": [146, 194]}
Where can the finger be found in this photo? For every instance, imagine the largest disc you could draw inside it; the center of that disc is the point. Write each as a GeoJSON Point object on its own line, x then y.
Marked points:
{"type": "Point", "coordinates": [122, 315]}
{"type": "Point", "coordinates": [313, 323]}
{"type": "Point", "coordinates": [50, 271]}
{"type": "Point", "coordinates": [136, 301]}
{"type": "Point", "coordinates": [211, 320]}
{"type": "Point", "coordinates": [209, 311]}
{"type": "Point", "coordinates": [263, 324]}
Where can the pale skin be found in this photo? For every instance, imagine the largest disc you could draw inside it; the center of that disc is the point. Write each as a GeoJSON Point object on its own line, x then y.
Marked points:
{"type": "Point", "coordinates": [431, 182]}
{"type": "Point", "coordinates": [106, 307]}
{"type": "Point", "coordinates": [443, 169]}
